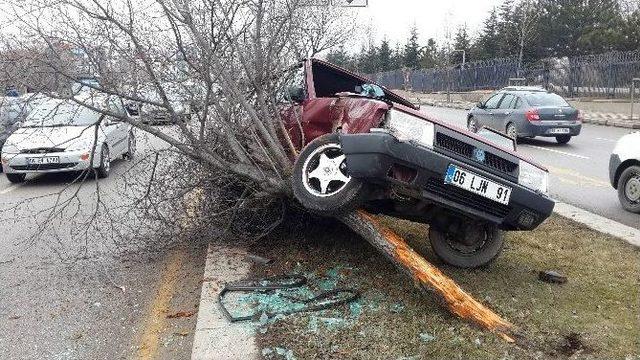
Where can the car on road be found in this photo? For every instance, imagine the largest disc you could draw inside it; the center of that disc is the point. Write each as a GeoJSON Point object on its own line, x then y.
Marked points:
{"type": "Point", "coordinates": [624, 171]}
{"type": "Point", "coordinates": [526, 111]}
{"type": "Point", "coordinates": [62, 135]}
{"type": "Point", "coordinates": [363, 145]}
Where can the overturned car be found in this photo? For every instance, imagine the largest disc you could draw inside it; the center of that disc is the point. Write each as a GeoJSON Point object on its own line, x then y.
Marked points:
{"type": "Point", "coordinates": [365, 146]}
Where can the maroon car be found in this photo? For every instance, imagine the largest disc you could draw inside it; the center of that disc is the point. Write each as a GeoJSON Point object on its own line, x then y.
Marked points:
{"type": "Point", "coordinates": [365, 146]}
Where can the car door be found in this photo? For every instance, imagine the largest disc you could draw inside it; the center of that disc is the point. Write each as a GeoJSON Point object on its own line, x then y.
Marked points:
{"type": "Point", "coordinates": [485, 115]}
{"type": "Point", "coordinates": [117, 131]}
{"type": "Point", "coordinates": [505, 108]}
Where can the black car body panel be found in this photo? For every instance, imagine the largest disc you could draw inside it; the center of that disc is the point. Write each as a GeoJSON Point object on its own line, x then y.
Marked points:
{"type": "Point", "coordinates": [372, 157]}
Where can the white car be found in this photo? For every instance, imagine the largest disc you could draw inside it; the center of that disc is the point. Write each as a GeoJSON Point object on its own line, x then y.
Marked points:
{"type": "Point", "coordinates": [624, 171]}
{"type": "Point", "coordinates": [61, 135]}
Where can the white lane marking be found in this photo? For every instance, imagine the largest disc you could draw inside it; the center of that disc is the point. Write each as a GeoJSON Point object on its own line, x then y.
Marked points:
{"type": "Point", "coordinates": [10, 189]}
{"type": "Point", "coordinates": [599, 223]}
{"type": "Point", "coordinates": [559, 152]}
{"type": "Point", "coordinates": [604, 139]}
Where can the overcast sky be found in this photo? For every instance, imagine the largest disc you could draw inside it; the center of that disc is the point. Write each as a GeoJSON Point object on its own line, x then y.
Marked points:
{"type": "Point", "coordinates": [393, 18]}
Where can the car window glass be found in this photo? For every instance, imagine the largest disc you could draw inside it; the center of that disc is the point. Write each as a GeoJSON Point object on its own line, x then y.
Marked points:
{"type": "Point", "coordinates": [507, 101]}
{"type": "Point", "coordinates": [545, 99]}
{"type": "Point", "coordinates": [518, 103]}
{"type": "Point", "coordinates": [492, 103]}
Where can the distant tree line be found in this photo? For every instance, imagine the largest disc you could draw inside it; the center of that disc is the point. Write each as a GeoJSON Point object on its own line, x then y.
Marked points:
{"type": "Point", "coordinates": [528, 30]}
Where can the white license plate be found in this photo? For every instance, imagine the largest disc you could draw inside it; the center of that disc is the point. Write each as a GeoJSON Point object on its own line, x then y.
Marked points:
{"type": "Point", "coordinates": [559, 131]}
{"type": "Point", "coordinates": [476, 184]}
{"type": "Point", "coordinates": [43, 160]}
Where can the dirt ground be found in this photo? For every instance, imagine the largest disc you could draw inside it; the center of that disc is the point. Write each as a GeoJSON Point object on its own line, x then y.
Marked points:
{"type": "Point", "coordinates": [595, 315]}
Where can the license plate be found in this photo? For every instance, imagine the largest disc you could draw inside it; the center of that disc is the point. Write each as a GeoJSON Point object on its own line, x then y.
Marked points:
{"type": "Point", "coordinates": [559, 131]}
{"type": "Point", "coordinates": [43, 160]}
{"type": "Point", "coordinates": [477, 184]}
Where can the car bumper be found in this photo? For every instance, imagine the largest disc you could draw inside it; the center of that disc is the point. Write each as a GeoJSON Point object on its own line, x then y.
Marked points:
{"type": "Point", "coordinates": [68, 161]}
{"type": "Point", "coordinates": [372, 156]}
{"type": "Point", "coordinates": [614, 164]}
{"type": "Point", "coordinates": [544, 128]}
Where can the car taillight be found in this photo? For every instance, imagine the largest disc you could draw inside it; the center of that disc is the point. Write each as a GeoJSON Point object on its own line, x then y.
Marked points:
{"type": "Point", "coordinates": [533, 115]}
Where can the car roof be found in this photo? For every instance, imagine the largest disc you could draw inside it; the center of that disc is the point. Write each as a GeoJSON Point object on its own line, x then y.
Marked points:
{"type": "Point", "coordinates": [523, 88]}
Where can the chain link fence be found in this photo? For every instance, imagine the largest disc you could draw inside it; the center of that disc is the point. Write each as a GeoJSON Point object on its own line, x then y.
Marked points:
{"type": "Point", "coordinates": [605, 75]}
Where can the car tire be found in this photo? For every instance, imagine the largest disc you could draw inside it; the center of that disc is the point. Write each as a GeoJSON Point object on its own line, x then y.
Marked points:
{"type": "Point", "coordinates": [484, 243]}
{"type": "Point", "coordinates": [131, 148]}
{"type": "Point", "coordinates": [472, 124]}
{"type": "Point", "coordinates": [563, 139]}
{"type": "Point", "coordinates": [512, 131]}
{"type": "Point", "coordinates": [629, 189]}
{"type": "Point", "coordinates": [16, 178]}
{"type": "Point", "coordinates": [332, 191]}
{"type": "Point", "coordinates": [105, 163]}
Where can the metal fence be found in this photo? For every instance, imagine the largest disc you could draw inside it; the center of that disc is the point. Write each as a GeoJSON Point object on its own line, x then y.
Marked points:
{"type": "Point", "coordinates": [602, 75]}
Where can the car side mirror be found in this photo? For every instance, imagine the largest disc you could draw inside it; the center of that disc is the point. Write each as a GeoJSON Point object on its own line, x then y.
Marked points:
{"type": "Point", "coordinates": [480, 105]}
{"type": "Point", "coordinates": [296, 94]}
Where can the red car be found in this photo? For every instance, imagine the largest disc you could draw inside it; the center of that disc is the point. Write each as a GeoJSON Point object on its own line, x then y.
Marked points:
{"type": "Point", "coordinates": [365, 146]}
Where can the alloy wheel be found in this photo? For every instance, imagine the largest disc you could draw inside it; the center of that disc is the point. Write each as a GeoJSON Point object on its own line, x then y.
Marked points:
{"type": "Point", "coordinates": [324, 172]}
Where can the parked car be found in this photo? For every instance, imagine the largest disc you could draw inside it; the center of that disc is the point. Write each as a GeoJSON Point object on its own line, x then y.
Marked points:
{"type": "Point", "coordinates": [363, 145]}
{"type": "Point", "coordinates": [180, 103]}
{"type": "Point", "coordinates": [61, 135]}
{"type": "Point", "coordinates": [624, 171]}
{"type": "Point", "coordinates": [524, 111]}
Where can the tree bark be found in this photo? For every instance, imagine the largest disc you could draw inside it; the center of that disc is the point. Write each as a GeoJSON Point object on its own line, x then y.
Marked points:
{"type": "Point", "coordinates": [425, 274]}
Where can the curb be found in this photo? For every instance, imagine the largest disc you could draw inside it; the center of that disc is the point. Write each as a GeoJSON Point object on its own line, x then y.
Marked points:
{"type": "Point", "coordinates": [597, 118]}
{"type": "Point", "coordinates": [215, 337]}
{"type": "Point", "coordinates": [599, 223]}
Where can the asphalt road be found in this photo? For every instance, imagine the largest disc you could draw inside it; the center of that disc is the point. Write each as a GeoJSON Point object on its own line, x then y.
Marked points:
{"type": "Point", "coordinates": [68, 291]}
{"type": "Point", "coordinates": [579, 170]}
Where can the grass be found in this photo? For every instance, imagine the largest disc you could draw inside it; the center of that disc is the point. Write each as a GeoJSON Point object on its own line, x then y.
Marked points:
{"type": "Point", "coordinates": [595, 315]}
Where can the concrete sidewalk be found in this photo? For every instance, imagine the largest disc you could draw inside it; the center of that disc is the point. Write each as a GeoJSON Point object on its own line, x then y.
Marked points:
{"type": "Point", "coordinates": [600, 112]}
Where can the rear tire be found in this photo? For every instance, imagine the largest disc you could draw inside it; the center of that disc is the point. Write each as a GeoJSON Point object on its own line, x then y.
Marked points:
{"type": "Point", "coordinates": [629, 189]}
{"type": "Point", "coordinates": [131, 150]}
{"type": "Point", "coordinates": [563, 139]}
{"type": "Point", "coordinates": [472, 124]}
{"type": "Point", "coordinates": [320, 179]}
{"type": "Point", "coordinates": [16, 178]}
{"type": "Point", "coordinates": [477, 244]}
{"type": "Point", "coordinates": [512, 131]}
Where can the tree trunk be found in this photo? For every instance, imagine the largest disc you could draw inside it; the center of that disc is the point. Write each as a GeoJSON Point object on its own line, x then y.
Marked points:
{"type": "Point", "coordinates": [425, 274]}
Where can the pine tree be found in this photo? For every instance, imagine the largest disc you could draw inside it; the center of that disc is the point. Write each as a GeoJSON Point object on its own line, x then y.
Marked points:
{"type": "Point", "coordinates": [385, 56]}
{"type": "Point", "coordinates": [412, 50]}
{"type": "Point", "coordinates": [461, 43]}
{"type": "Point", "coordinates": [487, 45]}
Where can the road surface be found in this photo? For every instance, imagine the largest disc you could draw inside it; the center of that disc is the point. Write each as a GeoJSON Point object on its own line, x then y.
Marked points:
{"type": "Point", "coordinates": [579, 170]}
{"type": "Point", "coordinates": [66, 299]}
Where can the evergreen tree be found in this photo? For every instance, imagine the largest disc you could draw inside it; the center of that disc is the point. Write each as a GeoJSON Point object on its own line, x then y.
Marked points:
{"type": "Point", "coordinates": [487, 45]}
{"type": "Point", "coordinates": [429, 55]}
{"type": "Point", "coordinates": [340, 57]}
{"type": "Point", "coordinates": [462, 43]}
{"type": "Point", "coordinates": [385, 56]}
{"type": "Point", "coordinates": [412, 50]}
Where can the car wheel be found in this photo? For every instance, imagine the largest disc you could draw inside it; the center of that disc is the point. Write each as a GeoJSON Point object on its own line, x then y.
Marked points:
{"type": "Point", "coordinates": [629, 189]}
{"type": "Point", "coordinates": [320, 179]}
{"type": "Point", "coordinates": [512, 131]}
{"type": "Point", "coordinates": [16, 178]}
{"type": "Point", "coordinates": [563, 139]}
{"type": "Point", "coordinates": [105, 163]}
{"type": "Point", "coordinates": [131, 150]}
{"type": "Point", "coordinates": [472, 124]}
{"type": "Point", "coordinates": [475, 245]}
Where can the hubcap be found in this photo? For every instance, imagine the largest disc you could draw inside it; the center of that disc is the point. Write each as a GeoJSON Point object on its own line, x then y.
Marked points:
{"type": "Point", "coordinates": [632, 189]}
{"type": "Point", "coordinates": [324, 172]}
{"type": "Point", "coordinates": [511, 131]}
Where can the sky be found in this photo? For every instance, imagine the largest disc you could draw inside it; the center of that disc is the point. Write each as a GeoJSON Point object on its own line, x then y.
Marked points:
{"type": "Point", "coordinates": [393, 18]}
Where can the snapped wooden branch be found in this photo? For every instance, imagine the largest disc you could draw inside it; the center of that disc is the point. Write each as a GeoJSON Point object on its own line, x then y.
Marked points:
{"type": "Point", "coordinates": [425, 274]}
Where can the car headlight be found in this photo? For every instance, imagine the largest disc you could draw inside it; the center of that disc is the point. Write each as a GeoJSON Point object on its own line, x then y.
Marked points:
{"type": "Point", "coordinates": [10, 148]}
{"type": "Point", "coordinates": [533, 177]}
{"type": "Point", "coordinates": [406, 127]}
